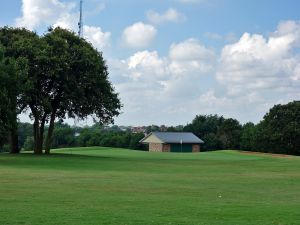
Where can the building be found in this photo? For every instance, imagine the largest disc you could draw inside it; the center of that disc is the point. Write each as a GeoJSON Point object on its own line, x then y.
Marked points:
{"type": "Point", "coordinates": [172, 142]}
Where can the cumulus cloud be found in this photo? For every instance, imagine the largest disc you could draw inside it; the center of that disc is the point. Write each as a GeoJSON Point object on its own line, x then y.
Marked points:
{"type": "Point", "coordinates": [139, 35]}
{"type": "Point", "coordinates": [147, 61]}
{"type": "Point", "coordinates": [170, 15]}
{"type": "Point", "coordinates": [190, 57]}
{"type": "Point", "coordinates": [67, 21]}
{"type": "Point", "coordinates": [37, 13]}
{"type": "Point", "coordinates": [244, 81]}
{"type": "Point", "coordinates": [43, 12]}
{"type": "Point", "coordinates": [152, 84]}
{"type": "Point", "coordinates": [96, 36]}
{"type": "Point", "coordinates": [190, 49]}
{"type": "Point", "coordinates": [258, 63]}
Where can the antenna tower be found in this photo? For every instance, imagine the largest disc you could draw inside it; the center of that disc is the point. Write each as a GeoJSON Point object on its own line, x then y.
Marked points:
{"type": "Point", "coordinates": [80, 24]}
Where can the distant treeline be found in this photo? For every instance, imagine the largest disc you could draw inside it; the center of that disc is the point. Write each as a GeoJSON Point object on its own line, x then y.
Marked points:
{"type": "Point", "coordinates": [72, 136]}
{"type": "Point", "coordinates": [278, 132]}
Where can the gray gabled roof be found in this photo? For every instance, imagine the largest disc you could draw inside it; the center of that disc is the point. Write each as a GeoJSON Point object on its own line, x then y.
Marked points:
{"type": "Point", "coordinates": [176, 137]}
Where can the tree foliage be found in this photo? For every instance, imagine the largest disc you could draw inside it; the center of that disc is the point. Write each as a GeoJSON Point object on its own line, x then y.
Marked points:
{"type": "Point", "coordinates": [216, 131]}
{"type": "Point", "coordinates": [248, 136]}
{"type": "Point", "coordinates": [5, 99]}
{"type": "Point", "coordinates": [279, 131]}
{"type": "Point", "coordinates": [66, 77]}
{"type": "Point", "coordinates": [12, 76]}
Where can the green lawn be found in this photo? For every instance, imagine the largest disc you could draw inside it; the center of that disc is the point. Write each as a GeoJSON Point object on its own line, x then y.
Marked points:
{"type": "Point", "coordinates": [116, 186]}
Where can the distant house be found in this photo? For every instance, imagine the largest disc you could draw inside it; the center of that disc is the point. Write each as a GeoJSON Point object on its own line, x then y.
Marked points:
{"type": "Point", "coordinates": [172, 142]}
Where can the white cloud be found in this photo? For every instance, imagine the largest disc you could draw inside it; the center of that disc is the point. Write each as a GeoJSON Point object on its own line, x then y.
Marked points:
{"type": "Point", "coordinates": [146, 60]}
{"type": "Point", "coordinates": [43, 12]}
{"type": "Point", "coordinates": [243, 82]}
{"type": "Point", "coordinates": [190, 57]}
{"type": "Point", "coordinates": [67, 21]}
{"type": "Point", "coordinates": [37, 13]}
{"type": "Point", "coordinates": [96, 36]}
{"type": "Point", "coordinates": [190, 49]}
{"type": "Point", "coordinates": [151, 84]}
{"type": "Point", "coordinates": [139, 35]}
{"type": "Point", "coordinates": [256, 63]}
{"type": "Point", "coordinates": [170, 15]}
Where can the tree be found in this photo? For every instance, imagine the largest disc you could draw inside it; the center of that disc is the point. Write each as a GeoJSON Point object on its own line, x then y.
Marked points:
{"type": "Point", "coordinates": [216, 131]}
{"type": "Point", "coordinates": [4, 111]}
{"type": "Point", "coordinates": [66, 76]}
{"type": "Point", "coordinates": [206, 127]}
{"type": "Point", "coordinates": [11, 77]}
{"type": "Point", "coordinates": [22, 47]}
{"type": "Point", "coordinates": [280, 129]}
{"type": "Point", "coordinates": [212, 142]}
{"type": "Point", "coordinates": [63, 136]}
{"type": "Point", "coordinates": [78, 79]}
{"type": "Point", "coordinates": [135, 142]}
{"type": "Point", "coordinates": [229, 133]}
{"type": "Point", "coordinates": [248, 137]}
{"type": "Point", "coordinates": [204, 124]}
{"type": "Point", "coordinates": [29, 143]}
{"type": "Point", "coordinates": [25, 130]}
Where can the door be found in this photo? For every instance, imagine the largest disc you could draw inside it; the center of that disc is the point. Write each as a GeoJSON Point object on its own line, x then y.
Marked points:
{"type": "Point", "coordinates": [181, 148]}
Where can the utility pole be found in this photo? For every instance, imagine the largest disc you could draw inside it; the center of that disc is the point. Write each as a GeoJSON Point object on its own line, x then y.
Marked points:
{"type": "Point", "coordinates": [80, 24]}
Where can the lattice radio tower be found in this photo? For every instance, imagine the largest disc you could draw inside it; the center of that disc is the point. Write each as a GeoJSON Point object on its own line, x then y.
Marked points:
{"type": "Point", "coordinates": [80, 24]}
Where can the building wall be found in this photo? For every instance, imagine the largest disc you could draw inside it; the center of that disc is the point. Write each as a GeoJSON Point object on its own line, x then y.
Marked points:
{"type": "Point", "coordinates": [152, 139]}
{"type": "Point", "coordinates": [155, 147]}
{"type": "Point", "coordinates": [166, 148]}
{"type": "Point", "coordinates": [196, 148]}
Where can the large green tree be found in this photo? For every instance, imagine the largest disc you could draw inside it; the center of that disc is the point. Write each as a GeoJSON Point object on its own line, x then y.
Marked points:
{"type": "Point", "coordinates": [66, 77]}
{"type": "Point", "coordinates": [78, 81]}
{"type": "Point", "coordinates": [12, 75]}
{"type": "Point", "coordinates": [279, 131]}
{"type": "Point", "coordinates": [206, 127]}
{"type": "Point", "coordinates": [4, 100]}
{"type": "Point", "coordinates": [24, 48]}
{"type": "Point", "coordinates": [216, 131]}
{"type": "Point", "coordinates": [248, 136]}
{"type": "Point", "coordinates": [229, 132]}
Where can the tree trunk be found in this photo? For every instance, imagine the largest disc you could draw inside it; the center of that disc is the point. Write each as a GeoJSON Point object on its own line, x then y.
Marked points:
{"type": "Point", "coordinates": [50, 133]}
{"type": "Point", "coordinates": [14, 145]}
{"type": "Point", "coordinates": [36, 135]}
{"type": "Point", "coordinates": [41, 134]}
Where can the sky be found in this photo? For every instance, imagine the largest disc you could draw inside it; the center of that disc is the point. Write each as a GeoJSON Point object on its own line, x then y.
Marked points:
{"type": "Point", "coordinates": [171, 60]}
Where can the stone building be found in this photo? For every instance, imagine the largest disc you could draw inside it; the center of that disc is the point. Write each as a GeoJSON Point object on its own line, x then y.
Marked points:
{"type": "Point", "coordinates": [172, 142]}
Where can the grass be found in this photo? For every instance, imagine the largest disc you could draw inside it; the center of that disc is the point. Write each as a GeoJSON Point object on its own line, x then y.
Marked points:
{"type": "Point", "coordinates": [116, 186]}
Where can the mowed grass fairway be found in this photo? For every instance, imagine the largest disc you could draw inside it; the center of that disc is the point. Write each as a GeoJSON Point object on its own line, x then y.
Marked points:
{"type": "Point", "coordinates": [116, 186]}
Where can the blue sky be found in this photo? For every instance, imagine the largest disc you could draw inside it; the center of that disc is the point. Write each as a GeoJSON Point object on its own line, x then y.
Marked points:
{"type": "Point", "coordinates": [171, 60]}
